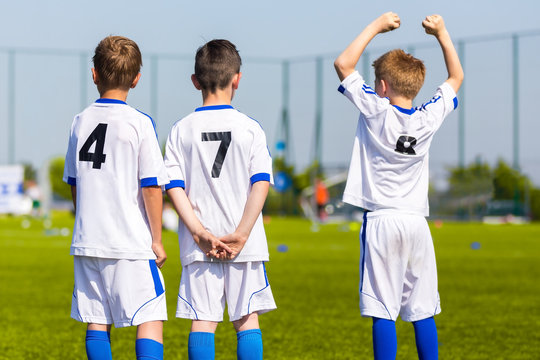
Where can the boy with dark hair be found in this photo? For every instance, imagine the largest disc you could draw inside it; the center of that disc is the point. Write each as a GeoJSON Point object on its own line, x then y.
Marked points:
{"type": "Point", "coordinates": [115, 168]}
{"type": "Point", "coordinates": [388, 177]}
{"type": "Point", "coordinates": [220, 170]}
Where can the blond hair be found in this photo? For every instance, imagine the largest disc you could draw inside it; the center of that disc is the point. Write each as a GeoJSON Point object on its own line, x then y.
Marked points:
{"type": "Point", "coordinates": [403, 72]}
{"type": "Point", "coordinates": [117, 61]}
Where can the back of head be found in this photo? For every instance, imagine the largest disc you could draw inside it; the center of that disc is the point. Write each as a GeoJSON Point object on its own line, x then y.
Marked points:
{"type": "Point", "coordinates": [117, 61]}
{"type": "Point", "coordinates": [403, 72]}
{"type": "Point", "coordinates": [216, 62]}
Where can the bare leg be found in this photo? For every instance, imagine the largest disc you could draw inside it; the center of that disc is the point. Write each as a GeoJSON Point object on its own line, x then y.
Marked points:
{"type": "Point", "coordinates": [203, 326]}
{"type": "Point", "coordinates": [149, 344]}
{"type": "Point", "coordinates": [201, 340]}
{"type": "Point", "coordinates": [98, 343]}
{"type": "Point", "coordinates": [249, 338]}
{"type": "Point", "coordinates": [248, 322]}
{"type": "Point", "coordinates": [151, 330]}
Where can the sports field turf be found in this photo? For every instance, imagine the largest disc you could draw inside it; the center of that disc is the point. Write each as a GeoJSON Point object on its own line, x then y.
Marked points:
{"type": "Point", "coordinates": [490, 295]}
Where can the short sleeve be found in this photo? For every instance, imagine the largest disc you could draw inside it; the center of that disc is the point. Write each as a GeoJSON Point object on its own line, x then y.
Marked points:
{"type": "Point", "coordinates": [260, 167]}
{"type": "Point", "coordinates": [440, 105]}
{"type": "Point", "coordinates": [174, 161]}
{"type": "Point", "coordinates": [151, 167]}
{"type": "Point", "coordinates": [70, 169]}
{"type": "Point", "coordinates": [362, 96]}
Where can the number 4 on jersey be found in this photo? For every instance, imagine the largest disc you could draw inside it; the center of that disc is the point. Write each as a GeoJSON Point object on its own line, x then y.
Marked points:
{"type": "Point", "coordinates": [225, 138]}
{"type": "Point", "coordinates": [97, 157]}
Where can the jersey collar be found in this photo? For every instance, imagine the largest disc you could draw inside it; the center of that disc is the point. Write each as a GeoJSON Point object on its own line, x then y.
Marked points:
{"type": "Point", "coordinates": [405, 111]}
{"type": "Point", "coordinates": [214, 107]}
{"type": "Point", "coordinates": [110, 101]}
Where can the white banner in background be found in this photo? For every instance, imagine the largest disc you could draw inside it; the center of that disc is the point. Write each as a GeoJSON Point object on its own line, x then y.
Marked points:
{"type": "Point", "coordinates": [12, 199]}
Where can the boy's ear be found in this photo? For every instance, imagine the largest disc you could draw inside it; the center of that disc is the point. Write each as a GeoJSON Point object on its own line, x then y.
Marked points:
{"type": "Point", "coordinates": [136, 80]}
{"type": "Point", "coordinates": [95, 76]}
{"type": "Point", "coordinates": [195, 82]}
{"type": "Point", "coordinates": [383, 87]}
{"type": "Point", "coordinates": [236, 80]}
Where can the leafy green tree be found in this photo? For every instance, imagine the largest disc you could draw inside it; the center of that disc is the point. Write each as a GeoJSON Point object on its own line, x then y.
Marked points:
{"type": "Point", "coordinates": [470, 189]}
{"type": "Point", "coordinates": [473, 180]}
{"type": "Point", "coordinates": [56, 172]}
{"type": "Point", "coordinates": [508, 183]}
{"type": "Point", "coordinates": [30, 173]}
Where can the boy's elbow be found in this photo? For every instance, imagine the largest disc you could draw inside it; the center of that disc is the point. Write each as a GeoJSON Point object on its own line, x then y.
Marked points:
{"type": "Point", "coordinates": [459, 77]}
{"type": "Point", "coordinates": [455, 81]}
{"type": "Point", "coordinates": [342, 68]}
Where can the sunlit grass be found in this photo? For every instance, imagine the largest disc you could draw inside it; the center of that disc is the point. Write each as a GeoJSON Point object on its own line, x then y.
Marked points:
{"type": "Point", "coordinates": [489, 295]}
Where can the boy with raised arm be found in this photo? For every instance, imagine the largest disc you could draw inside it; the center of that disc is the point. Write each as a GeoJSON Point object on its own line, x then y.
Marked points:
{"type": "Point", "coordinates": [115, 168]}
{"type": "Point", "coordinates": [388, 177]}
{"type": "Point", "coordinates": [220, 170]}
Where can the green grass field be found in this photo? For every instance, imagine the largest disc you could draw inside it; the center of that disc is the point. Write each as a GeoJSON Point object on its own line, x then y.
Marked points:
{"type": "Point", "coordinates": [490, 296]}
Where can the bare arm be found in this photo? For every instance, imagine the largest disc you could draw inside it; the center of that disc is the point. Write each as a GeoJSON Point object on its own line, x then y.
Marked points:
{"type": "Point", "coordinates": [153, 203]}
{"type": "Point", "coordinates": [208, 243]}
{"type": "Point", "coordinates": [252, 210]}
{"type": "Point", "coordinates": [74, 196]}
{"type": "Point", "coordinates": [434, 25]}
{"type": "Point", "coordinates": [347, 60]}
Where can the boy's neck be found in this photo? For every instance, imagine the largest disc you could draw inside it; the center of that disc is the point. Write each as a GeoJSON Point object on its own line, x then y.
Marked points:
{"type": "Point", "coordinates": [219, 97]}
{"type": "Point", "coordinates": [401, 101]}
{"type": "Point", "coordinates": [116, 94]}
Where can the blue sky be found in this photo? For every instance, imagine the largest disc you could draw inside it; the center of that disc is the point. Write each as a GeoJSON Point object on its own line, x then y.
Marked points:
{"type": "Point", "coordinates": [47, 93]}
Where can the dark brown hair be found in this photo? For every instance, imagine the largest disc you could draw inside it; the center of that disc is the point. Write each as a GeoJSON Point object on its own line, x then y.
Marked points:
{"type": "Point", "coordinates": [216, 62]}
{"type": "Point", "coordinates": [403, 72]}
{"type": "Point", "coordinates": [117, 61]}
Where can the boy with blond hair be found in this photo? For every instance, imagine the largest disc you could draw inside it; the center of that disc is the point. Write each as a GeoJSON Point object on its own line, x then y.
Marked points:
{"type": "Point", "coordinates": [220, 170]}
{"type": "Point", "coordinates": [388, 177]}
{"type": "Point", "coordinates": [115, 168]}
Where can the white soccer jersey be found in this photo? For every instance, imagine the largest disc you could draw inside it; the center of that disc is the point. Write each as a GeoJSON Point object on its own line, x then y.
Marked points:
{"type": "Point", "coordinates": [113, 151]}
{"type": "Point", "coordinates": [216, 153]}
{"type": "Point", "coordinates": [389, 164]}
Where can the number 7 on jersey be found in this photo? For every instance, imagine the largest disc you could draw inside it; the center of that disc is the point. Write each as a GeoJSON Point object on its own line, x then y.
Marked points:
{"type": "Point", "coordinates": [225, 138]}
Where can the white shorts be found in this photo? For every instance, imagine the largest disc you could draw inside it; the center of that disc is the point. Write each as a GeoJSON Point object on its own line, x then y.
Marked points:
{"type": "Point", "coordinates": [117, 291]}
{"type": "Point", "coordinates": [398, 273]}
{"type": "Point", "coordinates": [206, 286]}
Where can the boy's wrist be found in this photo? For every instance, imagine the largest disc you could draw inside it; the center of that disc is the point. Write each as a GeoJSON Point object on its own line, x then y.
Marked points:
{"type": "Point", "coordinates": [442, 33]}
{"type": "Point", "coordinates": [198, 233]}
{"type": "Point", "coordinates": [242, 235]}
{"type": "Point", "coordinates": [375, 27]}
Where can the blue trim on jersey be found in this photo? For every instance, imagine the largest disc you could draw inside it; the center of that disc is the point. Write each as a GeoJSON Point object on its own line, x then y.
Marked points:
{"type": "Point", "coordinates": [259, 177]}
{"type": "Point", "coordinates": [341, 89]}
{"type": "Point", "coordinates": [267, 284]}
{"type": "Point", "coordinates": [405, 111]}
{"type": "Point", "coordinates": [214, 107]}
{"type": "Point", "coordinates": [152, 120]}
{"type": "Point", "coordinates": [368, 90]}
{"type": "Point", "coordinates": [363, 246]}
{"type": "Point", "coordinates": [455, 103]}
{"type": "Point", "coordinates": [110, 101]}
{"type": "Point", "coordinates": [155, 275]}
{"type": "Point", "coordinates": [71, 181]}
{"type": "Point", "coordinates": [151, 181]}
{"type": "Point", "coordinates": [432, 101]}
{"type": "Point", "coordinates": [175, 183]}
{"type": "Point", "coordinates": [269, 153]}
{"type": "Point", "coordinates": [191, 306]}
